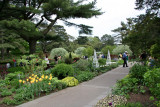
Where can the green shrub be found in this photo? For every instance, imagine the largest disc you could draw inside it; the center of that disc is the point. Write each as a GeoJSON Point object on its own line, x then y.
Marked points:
{"type": "Point", "coordinates": [11, 76]}
{"type": "Point", "coordinates": [85, 76]}
{"type": "Point", "coordinates": [137, 71]}
{"type": "Point", "coordinates": [15, 75]}
{"type": "Point", "coordinates": [8, 101]}
{"type": "Point", "coordinates": [47, 72]}
{"type": "Point", "coordinates": [104, 68]}
{"type": "Point", "coordinates": [6, 93]}
{"type": "Point", "coordinates": [130, 105]}
{"type": "Point", "coordinates": [114, 65]}
{"type": "Point", "coordinates": [15, 69]}
{"type": "Point", "coordinates": [70, 81]}
{"type": "Point", "coordinates": [62, 70]}
{"type": "Point", "coordinates": [126, 85]}
{"type": "Point", "coordinates": [79, 51]}
{"type": "Point", "coordinates": [120, 62]}
{"type": "Point", "coordinates": [82, 65]}
{"type": "Point", "coordinates": [15, 83]}
{"type": "Point", "coordinates": [152, 80]}
{"type": "Point", "coordinates": [102, 61]}
{"type": "Point", "coordinates": [68, 60]}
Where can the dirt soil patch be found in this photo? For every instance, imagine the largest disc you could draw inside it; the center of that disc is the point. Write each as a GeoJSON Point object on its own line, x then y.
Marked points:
{"type": "Point", "coordinates": [142, 98]}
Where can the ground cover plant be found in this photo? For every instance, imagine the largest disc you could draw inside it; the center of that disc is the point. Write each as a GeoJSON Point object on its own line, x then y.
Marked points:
{"type": "Point", "coordinates": [140, 85]}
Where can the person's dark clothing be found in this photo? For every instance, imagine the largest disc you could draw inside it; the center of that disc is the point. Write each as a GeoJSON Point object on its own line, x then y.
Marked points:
{"type": "Point", "coordinates": [56, 58]}
{"type": "Point", "coordinates": [144, 56]}
{"type": "Point", "coordinates": [125, 60]}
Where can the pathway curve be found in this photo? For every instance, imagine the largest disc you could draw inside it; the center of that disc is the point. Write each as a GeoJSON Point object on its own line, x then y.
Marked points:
{"type": "Point", "coordinates": [85, 94]}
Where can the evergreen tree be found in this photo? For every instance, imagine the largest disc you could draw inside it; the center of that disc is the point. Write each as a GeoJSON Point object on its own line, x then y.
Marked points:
{"type": "Point", "coordinates": [39, 11]}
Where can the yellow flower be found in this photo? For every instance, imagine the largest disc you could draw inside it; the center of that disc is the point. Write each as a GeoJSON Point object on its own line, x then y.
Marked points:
{"type": "Point", "coordinates": [20, 81]}
{"type": "Point", "coordinates": [24, 81]}
{"type": "Point", "coordinates": [35, 76]}
{"type": "Point", "coordinates": [31, 82]}
{"type": "Point", "coordinates": [32, 75]}
{"type": "Point", "coordinates": [46, 77]}
{"type": "Point", "coordinates": [50, 75]}
{"type": "Point", "coordinates": [27, 79]}
{"type": "Point", "coordinates": [50, 78]}
{"type": "Point", "coordinates": [40, 79]}
{"type": "Point", "coordinates": [49, 83]}
{"type": "Point", "coordinates": [36, 80]}
{"type": "Point", "coordinates": [30, 78]}
{"type": "Point", "coordinates": [42, 76]}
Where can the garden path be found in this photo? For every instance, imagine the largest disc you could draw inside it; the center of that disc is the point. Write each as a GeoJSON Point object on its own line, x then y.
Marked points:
{"type": "Point", "coordinates": [86, 94]}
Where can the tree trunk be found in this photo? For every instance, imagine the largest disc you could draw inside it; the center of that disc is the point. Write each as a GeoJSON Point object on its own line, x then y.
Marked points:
{"type": "Point", "coordinates": [7, 51]}
{"type": "Point", "coordinates": [2, 53]}
{"type": "Point", "coordinates": [32, 46]}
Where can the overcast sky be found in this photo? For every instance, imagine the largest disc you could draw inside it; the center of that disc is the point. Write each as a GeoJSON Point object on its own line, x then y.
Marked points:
{"type": "Point", "coordinates": [115, 12]}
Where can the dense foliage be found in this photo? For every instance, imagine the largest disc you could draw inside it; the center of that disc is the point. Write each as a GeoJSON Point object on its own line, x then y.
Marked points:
{"type": "Point", "coordinates": [62, 70]}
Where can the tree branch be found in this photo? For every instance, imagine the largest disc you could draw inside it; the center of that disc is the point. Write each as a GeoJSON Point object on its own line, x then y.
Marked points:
{"type": "Point", "coordinates": [40, 21]}
{"type": "Point", "coordinates": [50, 26]}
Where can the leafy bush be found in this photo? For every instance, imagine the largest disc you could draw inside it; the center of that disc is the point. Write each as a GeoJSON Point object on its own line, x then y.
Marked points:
{"type": "Point", "coordinates": [70, 81]}
{"type": "Point", "coordinates": [137, 71]}
{"type": "Point", "coordinates": [16, 75]}
{"type": "Point", "coordinates": [29, 63]}
{"type": "Point", "coordinates": [106, 48]}
{"type": "Point", "coordinates": [114, 65]}
{"type": "Point", "coordinates": [15, 69]}
{"type": "Point", "coordinates": [62, 70]}
{"type": "Point", "coordinates": [102, 61]}
{"type": "Point", "coordinates": [155, 50]}
{"type": "Point", "coordinates": [59, 52]}
{"type": "Point", "coordinates": [126, 85]}
{"type": "Point", "coordinates": [6, 93]}
{"type": "Point", "coordinates": [82, 65]}
{"type": "Point", "coordinates": [15, 83]}
{"type": "Point", "coordinates": [85, 76]}
{"type": "Point", "coordinates": [8, 101]}
{"type": "Point", "coordinates": [152, 80]}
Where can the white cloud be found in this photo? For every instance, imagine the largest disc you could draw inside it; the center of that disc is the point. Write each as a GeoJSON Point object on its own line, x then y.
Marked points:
{"type": "Point", "coordinates": [115, 12]}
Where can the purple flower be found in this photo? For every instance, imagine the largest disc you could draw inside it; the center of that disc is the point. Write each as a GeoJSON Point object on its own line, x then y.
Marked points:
{"type": "Point", "coordinates": [110, 104]}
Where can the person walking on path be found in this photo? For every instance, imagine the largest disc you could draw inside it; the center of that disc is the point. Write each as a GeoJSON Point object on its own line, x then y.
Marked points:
{"type": "Point", "coordinates": [125, 59]}
{"type": "Point", "coordinates": [47, 61]}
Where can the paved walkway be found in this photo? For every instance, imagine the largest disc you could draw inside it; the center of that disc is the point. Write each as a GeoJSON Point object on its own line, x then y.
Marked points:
{"type": "Point", "coordinates": [86, 94]}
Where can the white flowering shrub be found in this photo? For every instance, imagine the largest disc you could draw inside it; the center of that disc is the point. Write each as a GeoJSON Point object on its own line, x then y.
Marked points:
{"type": "Point", "coordinates": [79, 51]}
{"type": "Point", "coordinates": [121, 49]}
{"type": "Point", "coordinates": [58, 51]}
